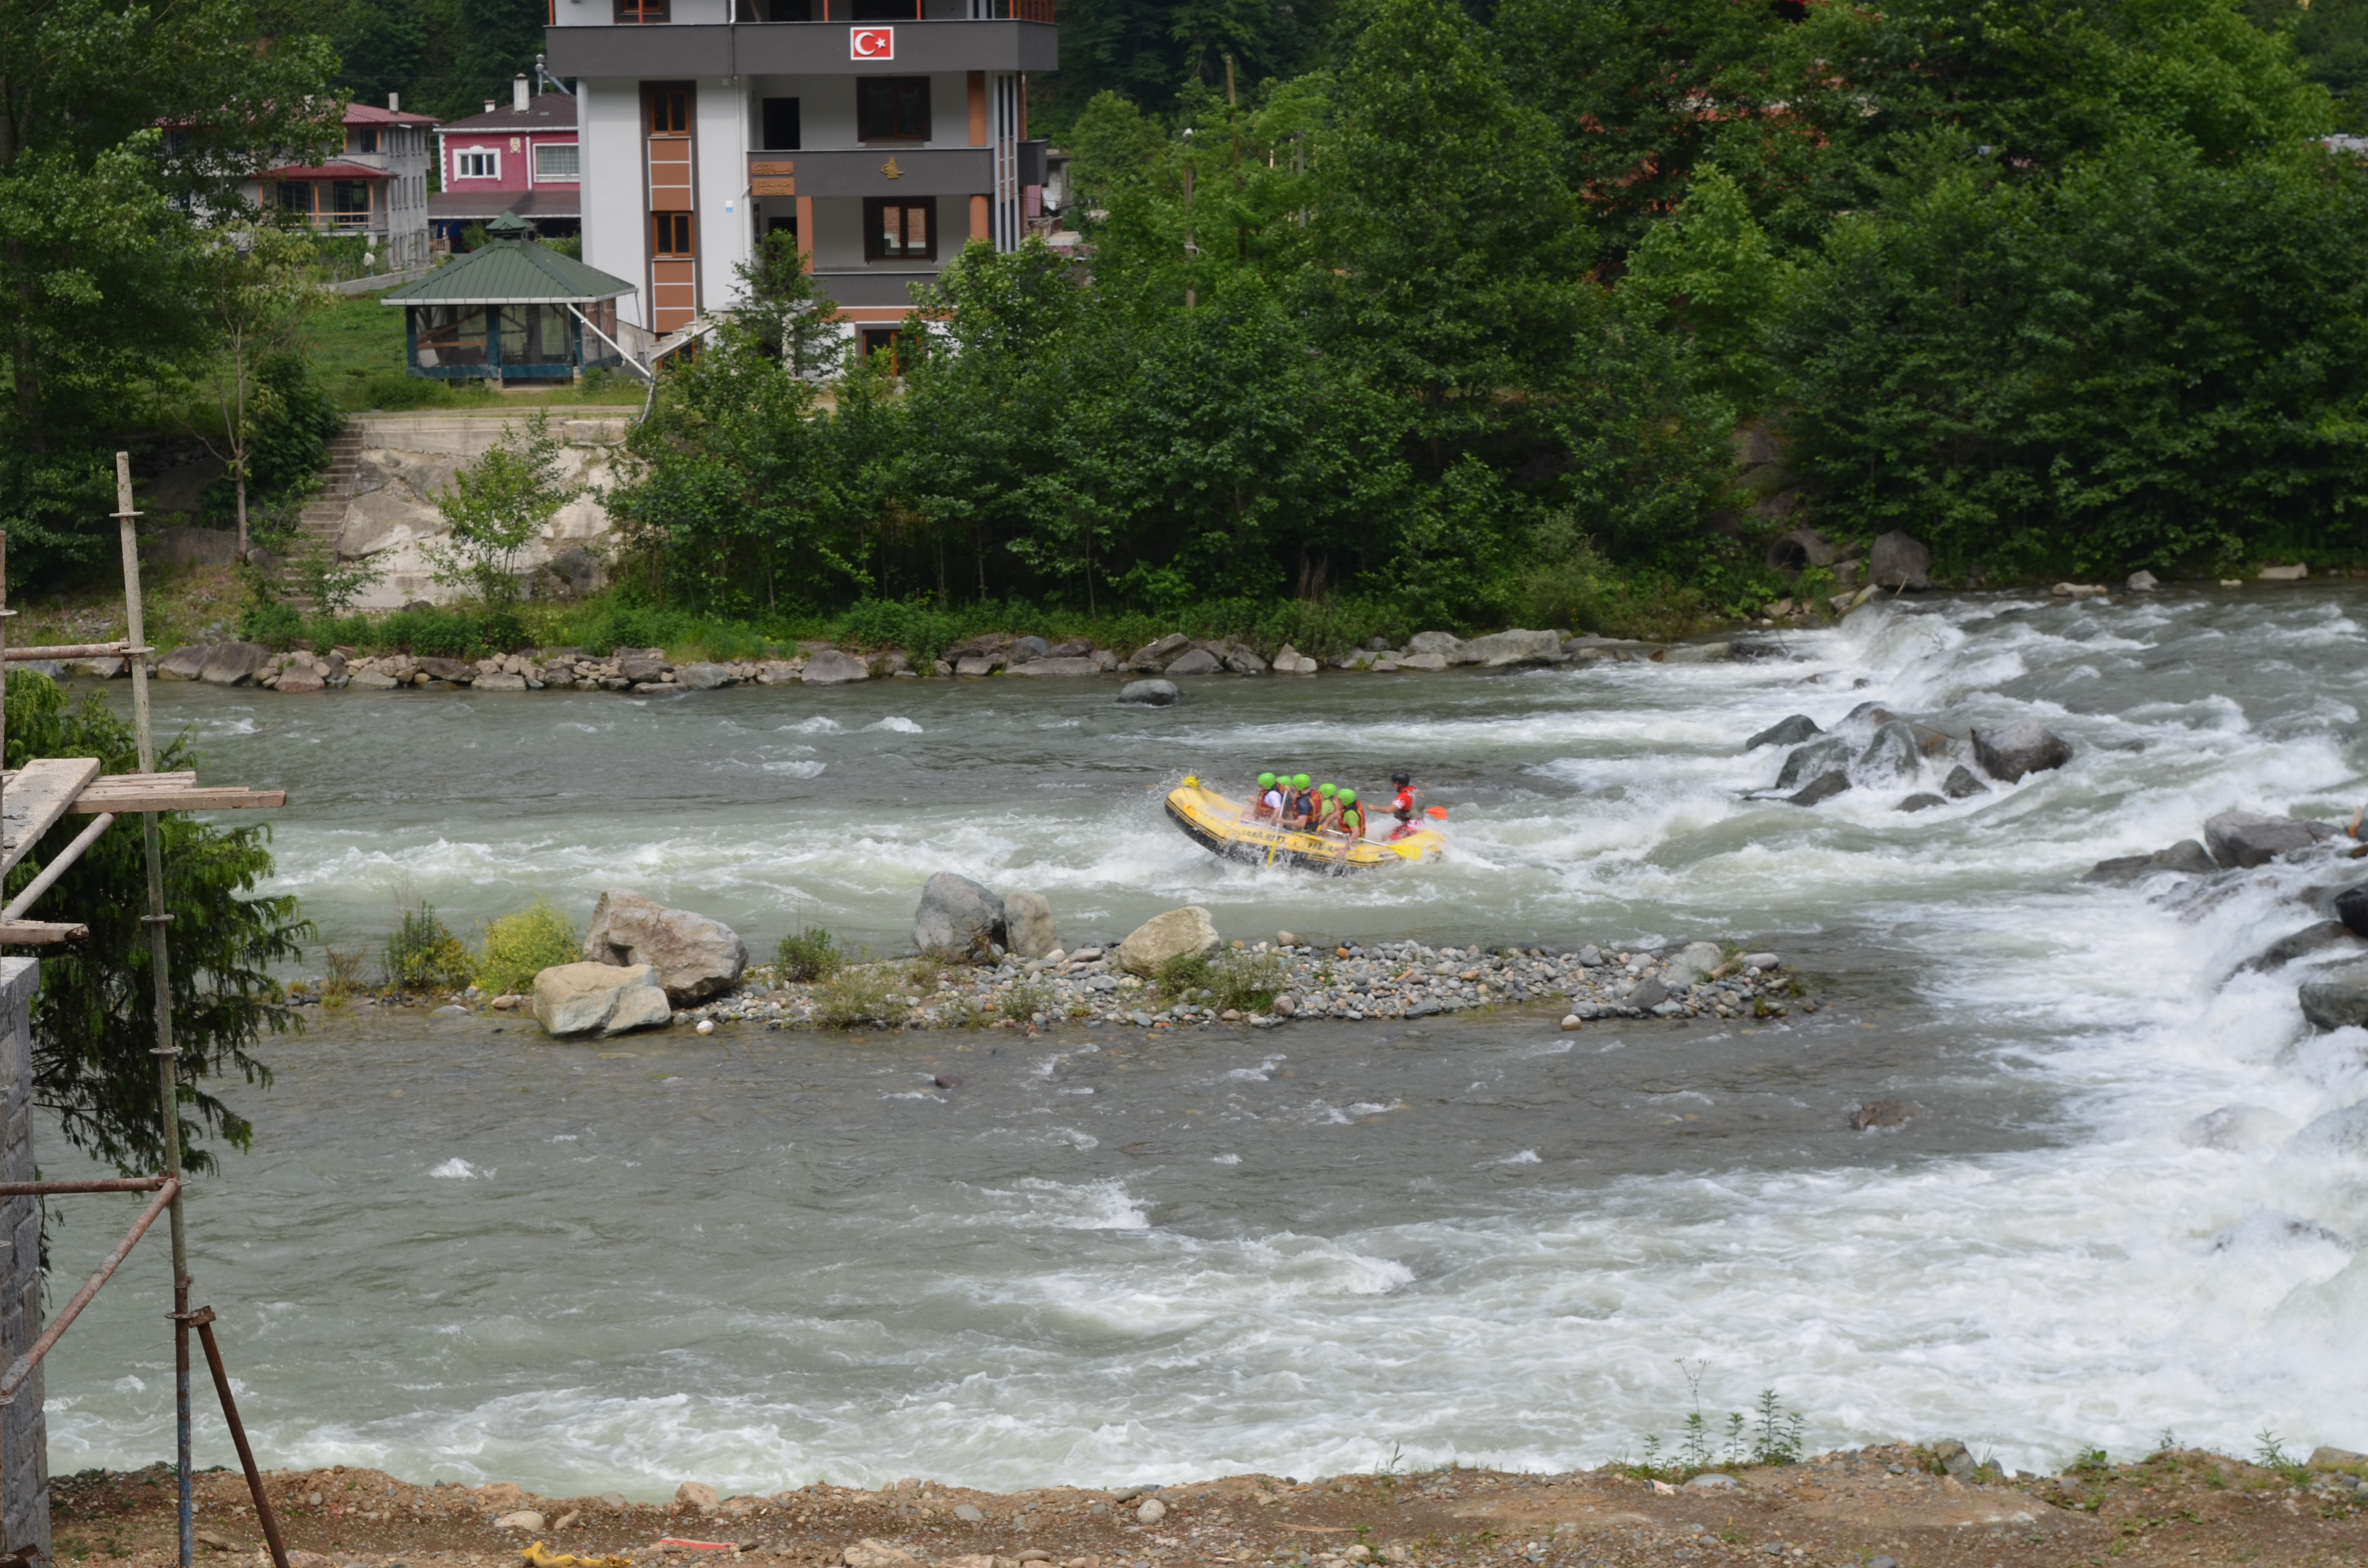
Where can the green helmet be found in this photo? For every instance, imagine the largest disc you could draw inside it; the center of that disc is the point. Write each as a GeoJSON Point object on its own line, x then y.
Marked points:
{"type": "Point", "coordinates": [1266, 781]}
{"type": "Point", "coordinates": [1327, 791]}
{"type": "Point", "coordinates": [1300, 782]}
{"type": "Point", "coordinates": [1348, 797]}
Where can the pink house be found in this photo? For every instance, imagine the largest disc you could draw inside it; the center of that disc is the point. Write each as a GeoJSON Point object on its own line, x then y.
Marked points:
{"type": "Point", "coordinates": [520, 159]}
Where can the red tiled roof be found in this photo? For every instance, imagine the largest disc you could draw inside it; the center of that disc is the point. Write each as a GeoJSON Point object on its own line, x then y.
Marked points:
{"type": "Point", "coordinates": [371, 114]}
{"type": "Point", "coordinates": [329, 171]}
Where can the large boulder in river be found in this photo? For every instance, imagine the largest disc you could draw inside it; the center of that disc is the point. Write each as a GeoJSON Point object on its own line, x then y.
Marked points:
{"type": "Point", "coordinates": [2028, 746]}
{"type": "Point", "coordinates": [1501, 648]}
{"type": "Point", "coordinates": [572, 999]}
{"type": "Point", "coordinates": [1154, 657]}
{"type": "Point", "coordinates": [1893, 754]}
{"type": "Point", "coordinates": [1443, 642]}
{"type": "Point", "coordinates": [2337, 1001]}
{"type": "Point", "coordinates": [1196, 662]}
{"type": "Point", "coordinates": [235, 663]}
{"type": "Point", "coordinates": [1818, 757]}
{"type": "Point", "coordinates": [2300, 943]}
{"type": "Point", "coordinates": [1150, 946]}
{"type": "Point", "coordinates": [831, 667]}
{"type": "Point", "coordinates": [1149, 694]}
{"type": "Point", "coordinates": [693, 957]}
{"type": "Point", "coordinates": [1789, 731]}
{"type": "Point", "coordinates": [1962, 785]}
{"type": "Point", "coordinates": [1027, 924]}
{"type": "Point", "coordinates": [2186, 858]}
{"type": "Point", "coordinates": [1821, 789]}
{"type": "Point", "coordinates": [2351, 908]}
{"type": "Point", "coordinates": [183, 663]}
{"type": "Point", "coordinates": [1900, 562]}
{"type": "Point", "coordinates": [957, 918]}
{"type": "Point", "coordinates": [2240, 839]}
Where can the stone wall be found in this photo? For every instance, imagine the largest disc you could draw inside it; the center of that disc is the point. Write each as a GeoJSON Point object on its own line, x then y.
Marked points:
{"type": "Point", "coordinates": [24, 1436]}
{"type": "Point", "coordinates": [408, 460]}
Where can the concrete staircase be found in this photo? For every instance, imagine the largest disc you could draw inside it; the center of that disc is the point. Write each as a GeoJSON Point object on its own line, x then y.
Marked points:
{"type": "Point", "coordinates": [325, 515]}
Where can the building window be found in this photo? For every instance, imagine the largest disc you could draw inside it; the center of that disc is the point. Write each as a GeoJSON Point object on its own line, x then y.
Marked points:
{"type": "Point", "coordinates": [349, 203]}
{"type": "Point", "coordinates": [893, 109]}
{"type": "Point", "coordinates": [554, 160]}
{"type": "Point", "coordinates": [780, 125]}
{"type": "Point", "coordinates": [669, 110]}
{"type": "Point", "coordinates": [477, 163]}
{"type": "Point", "coordinates": [670, 234]}
{"type": "Point", "coordinates": [363, 139]}
{"type": "Point", "coordinates": [900, 231]}
{"type": "Point", "coordinates": [635, 11]}
{"type": "Point", "coordinates": [880, 340]}
{"type": "Point", "coordinates": [293, 196]}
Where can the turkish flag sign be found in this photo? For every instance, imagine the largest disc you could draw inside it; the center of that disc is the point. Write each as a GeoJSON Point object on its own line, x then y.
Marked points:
{"type": "Point", "coordinates": [872, 43]}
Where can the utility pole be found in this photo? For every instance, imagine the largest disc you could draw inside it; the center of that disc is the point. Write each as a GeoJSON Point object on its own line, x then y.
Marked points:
{"type": "Point", "coordinates": [1190, 250]}
{"type": "Point", "coordinates": [1233, 122]}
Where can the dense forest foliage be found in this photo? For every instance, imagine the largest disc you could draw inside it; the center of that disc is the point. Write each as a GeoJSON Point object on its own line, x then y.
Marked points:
{"type": "Point", "coordinates": [1482, 314]}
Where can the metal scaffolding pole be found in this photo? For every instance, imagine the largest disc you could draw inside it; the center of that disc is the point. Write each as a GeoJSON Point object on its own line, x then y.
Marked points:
{"type": "Point", "coordinates": [159, 962]}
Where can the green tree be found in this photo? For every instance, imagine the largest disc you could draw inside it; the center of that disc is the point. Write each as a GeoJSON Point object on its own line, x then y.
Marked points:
{"type": "Point", "coordinates": [496, 505]}
{"type": "Point", "coordinates": [95, 1017]}
{"type": "Point", "coordinates": [257, 286]}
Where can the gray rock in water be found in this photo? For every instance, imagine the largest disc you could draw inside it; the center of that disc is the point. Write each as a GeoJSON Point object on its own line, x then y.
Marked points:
{"type": "Point", "coordinates": [1150, 693]}
{"type": "Point", "coordinates": [2009, 753]}
{"type": "Point", "coordinates": [1153, 656]}
{"type": "Point", "coordinates": [831, 667]}
{"type": "Point", "coordinates": [1807, 762]}
{"type": "Point", "coordinates": [1027, 920]}
{"type": "Point", "coordinates": [1921, 802]}
{"type": "Point", "coordinates": [2186, 857]}
{"type": "Point", "coordinates": [2240, 839]}
{"type": "Point", "coordinates": [2142, 583]}
{"type": "Point", "coordinates": [2310, 939]}
{"type": "Point", "coordinates": [2237, 1127]}
{"type": "Point", "coordinates": [1433, 643]}
{"type": "Point", "coordinates": [1698, 653]}
{"type": "Point", "coordinates": [2351, 908]}
{"type": "Point", "coordinates": [1900, 562]}
{"type": "Point", "coordinates": [599, 998]}
{"type": "Point", "coordinates": [1590, 956]}
{"type": "Point", "coordinates": [1876, 1114]}
{"type": "Point", "coordinates": [1893, 754]}
{"type": "Point", "coordinates": [1499, 649]}
{"type": "Point", "coordinates": [235, 663]}
{"type": "Point", "coordinates": [2341, 1132]}
{"type": "Point", "coordinates": [1030, 648]}
{"type": "Point", "coordinates": [2337, 1001]}
{"type": "Point", "coordinates": [1823, 787]}
{"type": "Point", "coordinates": [704, 677]}
{"type": "Point", "coordinates": [693, 957]}
{"type": "Point", "coordinates": [1963, 784]}
{"type": "Point", "coordinates": [1196, 662]}
{"type": "Point", "coordinates": [1787, 732]}
{"type": "Point", "coordinates": [1649, 993]}
{"type": "Point", "coordinates": [639, 664]}
{"type": "Point", "coordinates": [1055, 668]}
{"type": "Point", "coordinates": [183, 663]}
{"type": "Point", "coordinates": [957, 917]}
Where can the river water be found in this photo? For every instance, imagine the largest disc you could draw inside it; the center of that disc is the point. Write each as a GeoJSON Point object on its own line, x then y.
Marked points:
{"type": "Point", "coordinates": [461, 1251]}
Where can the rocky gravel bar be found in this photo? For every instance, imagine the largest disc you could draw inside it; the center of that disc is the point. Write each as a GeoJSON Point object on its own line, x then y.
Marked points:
{"type": "Point", "coordinates": [1388, 979]}
{"type": "Point", "coordinates": [1922, 1506]}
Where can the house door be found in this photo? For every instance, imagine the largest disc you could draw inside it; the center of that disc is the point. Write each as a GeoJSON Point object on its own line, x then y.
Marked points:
{"type": "Point", "coordinates": [672, 170]}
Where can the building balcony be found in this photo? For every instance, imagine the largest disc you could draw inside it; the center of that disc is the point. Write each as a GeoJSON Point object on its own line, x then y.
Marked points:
{"type": "Point", "coordinates": [800, 49]}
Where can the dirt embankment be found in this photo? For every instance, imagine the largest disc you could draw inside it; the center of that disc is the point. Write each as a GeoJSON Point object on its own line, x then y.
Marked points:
{"type": "Point", "coordinates": [1856, 1507]}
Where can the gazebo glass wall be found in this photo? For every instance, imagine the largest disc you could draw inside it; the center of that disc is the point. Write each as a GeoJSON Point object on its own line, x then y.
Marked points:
{"type": "Point", "coordinates": [512, 342]}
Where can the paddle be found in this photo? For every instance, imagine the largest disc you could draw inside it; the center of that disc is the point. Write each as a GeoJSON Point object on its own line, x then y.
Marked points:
{"type": "Point", "coordinates": [1439, 812]}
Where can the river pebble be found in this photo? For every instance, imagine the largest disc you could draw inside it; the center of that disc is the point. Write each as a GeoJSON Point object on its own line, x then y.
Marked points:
{"type": "Point", "coordinates": [1390, 979]}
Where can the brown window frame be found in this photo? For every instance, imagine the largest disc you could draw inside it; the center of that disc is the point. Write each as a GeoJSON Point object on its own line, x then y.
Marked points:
{"type": "Point", "coordinates": [657, 97]}
{"type": "Point", "coordinates": [673, 236]}
{"type": "Point", "coordinates": [636, 13]}
{"type": "Point", "coordinates": [874, 208]}
{"type": "Point", "coordinates": [868, 128]}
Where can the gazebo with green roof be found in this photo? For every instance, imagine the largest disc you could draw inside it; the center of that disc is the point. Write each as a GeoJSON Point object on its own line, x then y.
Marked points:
{"type": "Point", "coordinates": [510, 310]}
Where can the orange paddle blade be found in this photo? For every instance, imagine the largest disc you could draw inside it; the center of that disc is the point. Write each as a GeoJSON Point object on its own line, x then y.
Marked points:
{"type": "Point", "coordinates": [1439, 812]}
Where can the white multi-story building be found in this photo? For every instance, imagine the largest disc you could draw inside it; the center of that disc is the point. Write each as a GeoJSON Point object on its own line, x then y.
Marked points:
{"type": "Point", "coordinates": [884, 134]}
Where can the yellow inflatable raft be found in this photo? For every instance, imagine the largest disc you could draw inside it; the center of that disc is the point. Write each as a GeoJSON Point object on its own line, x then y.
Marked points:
{"type": "Point", "coordinates": [1224, 827]}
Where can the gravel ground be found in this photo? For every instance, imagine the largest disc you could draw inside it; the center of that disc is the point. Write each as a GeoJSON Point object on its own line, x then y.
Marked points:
{"type": "Point", "coordinates": [1857, 1507]}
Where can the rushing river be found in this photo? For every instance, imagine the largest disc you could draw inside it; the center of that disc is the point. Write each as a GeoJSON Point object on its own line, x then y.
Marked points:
{"type": "Point", "coordinates": [461, 1251]}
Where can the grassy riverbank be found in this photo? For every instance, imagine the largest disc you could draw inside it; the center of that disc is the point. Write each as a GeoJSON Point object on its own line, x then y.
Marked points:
{"type": "Point", "coordinates": [1897, 1503]}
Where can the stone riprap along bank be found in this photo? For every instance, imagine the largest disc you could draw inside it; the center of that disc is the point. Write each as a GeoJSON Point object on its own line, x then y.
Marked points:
{"type": "Point", "coordinates": [1389, 980]}
{"type": "Point", "coordinates": [647, 671]}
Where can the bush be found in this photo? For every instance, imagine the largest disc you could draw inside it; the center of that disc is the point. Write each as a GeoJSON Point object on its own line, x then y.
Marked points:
{"type": "Point", "coordinates": [866, 993]}
{"type": "Point", "coordinates": [424, 955]}
{"type": "Point", "coordinates": [518, 947]}
{"type": "Point", "coordinates": [808, 955]}
{"type": "Point", "coordinates": [1246, 980]}
{"type": "Point", "coordinates": [273, 625]}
